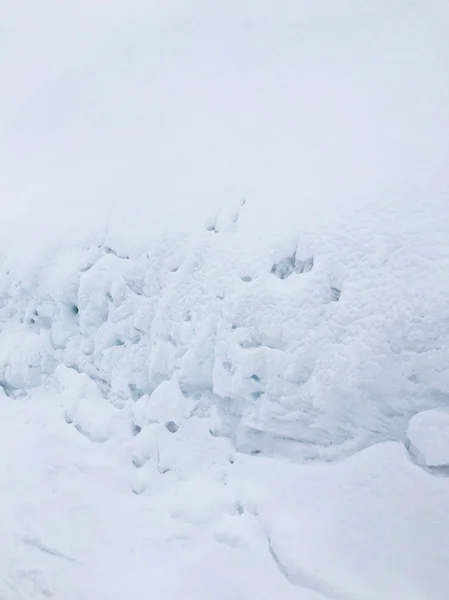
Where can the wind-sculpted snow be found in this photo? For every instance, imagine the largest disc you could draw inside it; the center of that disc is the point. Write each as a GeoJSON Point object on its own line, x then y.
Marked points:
{"type": "Point", "coordinates": [308, 347]}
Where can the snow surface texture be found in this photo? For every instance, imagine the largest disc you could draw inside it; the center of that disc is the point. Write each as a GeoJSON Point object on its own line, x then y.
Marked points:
{"type": "Point", "coordinates": [225, 233]}
{"type": "Point", "coordinates": [309, 347]}
{"type": "Point", "coordinates": [212, 523]}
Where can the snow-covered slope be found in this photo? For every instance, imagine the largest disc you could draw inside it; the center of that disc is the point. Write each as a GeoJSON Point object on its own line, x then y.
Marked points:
{"type": "Point", "coordinates": [225, 227]}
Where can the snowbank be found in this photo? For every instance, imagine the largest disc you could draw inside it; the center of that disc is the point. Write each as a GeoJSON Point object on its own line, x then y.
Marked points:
{"type": "Point", "coordinates": [309, 346]}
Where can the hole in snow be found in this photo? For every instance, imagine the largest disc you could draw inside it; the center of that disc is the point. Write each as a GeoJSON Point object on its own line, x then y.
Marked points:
{"type": "Point", "coordinates": [246, 279]}
{"type": "Point", "coordinates": [292, 264]}
{"type": "Point", "coordinates": [303, 266]}
{"type": "Point", "coordinates": [336, 293]}
{"type": "Point", "coordinates": [255, 377]}
{"type": "Point", "coordinates": [284, 268]}
{"type": "Point", "coordinates": [171, 426]}
{"type": "Point", "coordinates": [135, 429]}
{"type": "Point", "coordinates": [74, 309]}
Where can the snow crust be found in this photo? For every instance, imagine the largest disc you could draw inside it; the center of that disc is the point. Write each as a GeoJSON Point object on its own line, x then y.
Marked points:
{"type": "Point", "coordinates": [225, 240]}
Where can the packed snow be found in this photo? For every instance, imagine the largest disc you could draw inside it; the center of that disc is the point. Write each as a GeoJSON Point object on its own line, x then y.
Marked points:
{"type": "Point", "coordinates": [224, 327]}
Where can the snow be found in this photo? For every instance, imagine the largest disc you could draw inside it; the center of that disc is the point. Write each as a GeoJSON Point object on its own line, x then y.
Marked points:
{"type": "Point", "coordinates": [224, 332]}
{"type": "Point", "coordinates": [317, 363]}
{"type": "Point", "coordinates": [213, 522]}
{"type": "Point", "coordinates": [428, 436]}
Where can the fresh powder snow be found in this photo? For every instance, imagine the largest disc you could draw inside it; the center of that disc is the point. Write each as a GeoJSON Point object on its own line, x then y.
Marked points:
{"type": "Point", "coordinates": [224, 318]}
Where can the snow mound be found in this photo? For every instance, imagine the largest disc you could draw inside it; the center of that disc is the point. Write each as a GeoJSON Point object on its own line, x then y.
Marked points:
{"type": "Point", "coordinates": [428, 438]}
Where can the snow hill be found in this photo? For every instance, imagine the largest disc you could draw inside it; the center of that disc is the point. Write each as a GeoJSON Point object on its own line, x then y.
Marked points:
{"type": "Point", "coordinates": [223, 258]}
